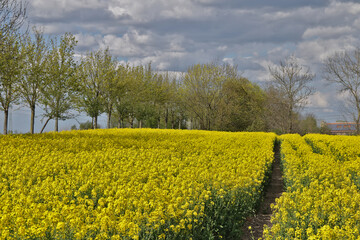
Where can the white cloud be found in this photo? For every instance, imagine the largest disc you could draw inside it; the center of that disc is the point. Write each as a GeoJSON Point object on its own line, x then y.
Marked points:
{"type": "Point", "coordinates": [56, 8]}
{"type": "Point", "coordinates": [343, 96]}
{"type": "Point", "coordinates": [229, 61]}
{"type": "Point", "coordinates": [339, 8]}
{"type": "Point", "coordinates": [327, 32]}
{"type": "Point", "coordinates": [222, 48]}
{"type": "Point", "coordinates": [87, 41]}
{"type": "Point", "coordinates": [277, 15]}
{"type": "Point", "coordinates": [118, 11]}
{"type": "Point", "coordinates": [316, 51]}
{"type": "Point", "coordinates": [318, 99]}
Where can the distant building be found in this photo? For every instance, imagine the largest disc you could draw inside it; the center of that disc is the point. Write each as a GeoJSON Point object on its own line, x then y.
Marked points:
{"type": "Point", "coordinates": [342, 128]}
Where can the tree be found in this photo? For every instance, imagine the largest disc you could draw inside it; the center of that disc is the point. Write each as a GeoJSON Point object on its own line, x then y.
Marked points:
{"type": "Point", "coordinates": [122, 100]}
{"type": "Point", "coordinates": [87, 125]}
{"type": "Point", "coordinates": [97, 85]}
{"type": "Point", "coordinates": [130, 97]}
{"type": "Point", "coordinates": [160, 97]}
{"type": "Point", "coordinates": [292, 80]}
{"type": "Point", "coordinates": [11, 61]}
{"type": "Point", "coordinates": [110, 84]}
{"type": "Point", "coordinates": [202, 92]}
{"type": "Point", "coordinates": [324, 129]}
{"type": "Point", "coordinates": [276, 113]}
{"type": "Point", "coordinates": [142, 102]}
{"type": "Point", "coordinates": [242, 108]}
{"type": "Point", "coordinates": [308, 124]}
{"type": "Point", "coordinates": [57, 93]}
{"type": "Point", "coordinates": [169, 102]}
{"type": "Point", "coordinates": [34, 73]}
{"type": "Point", "coordinates": [343, 69]}
{"type": "Point", "coordinates": [12, 17]}
{"type": "Point", "coordinates": [175, 106]}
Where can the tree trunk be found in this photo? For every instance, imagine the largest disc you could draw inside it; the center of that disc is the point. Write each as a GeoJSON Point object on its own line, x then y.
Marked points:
{"type": "Point", "coordinates": [109, 120]}
{"type": "Point", "coordinates": [95, 122]}
{"type": "Point", "coordinates": [357, 119]}
{"type": "Point", "coordinates": [357, 122]}
{"type": "Point", "coordinates": [179, 124]}
{"type": "Point", "coordinates": [158, 121]}
{"type": "Point", "coordinates": [131, 122]}
{"type": "Point", "coordinates": [166, 117]}
{"type": "Point", "coordinates": [140, 124]}
{"type": "Point", "coordinates": [119, 122]}
{"type": "Point", "coordinates": [56, 124]}
{"type": "Point", "coordinates": [45, 125]}
{"type": "Point", "coordinates": [32, 120]}
{"type": "Point", "coordinates": [6, 116]}
{"type": "Point", "coordinates": [291, 121]}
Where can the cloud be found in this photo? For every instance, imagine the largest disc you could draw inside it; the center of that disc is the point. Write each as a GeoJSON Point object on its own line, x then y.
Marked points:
{"type": "Point", "coordinates": [205, 29]}
{"type": "Point", "coordinates": [327, 32]}
{"type": "Point", "coordinates": [337, 8]}
{"type": "Point", "coordinates": [320, 49]}
{"type": "Point", "coordinates": [119, 12]}
{"type": "Point", "coordinates": [87, 41]}
{"type": "Point", "coordinates": [318, 99]}
{"type": "Point", "coordinates": [175, 34]}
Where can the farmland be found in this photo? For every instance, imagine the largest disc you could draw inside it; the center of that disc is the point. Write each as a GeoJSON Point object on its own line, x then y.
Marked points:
{"type": "Point", "coordinates": [131, 184]}
{"type": "Point", "coordinates": [322, 198]}
{"type": "Point", "coordinates": [175, 184]}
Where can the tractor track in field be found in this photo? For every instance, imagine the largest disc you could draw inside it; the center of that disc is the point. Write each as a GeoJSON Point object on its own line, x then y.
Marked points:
{"type": "Point", "coordinates": [273, 190]}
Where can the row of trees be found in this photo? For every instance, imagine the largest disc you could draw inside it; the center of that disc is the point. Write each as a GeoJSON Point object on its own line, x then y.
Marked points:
{"type": "Point", "coordinates": [43, 72]}
{"type": "Point", "coordinates": [35, 71]}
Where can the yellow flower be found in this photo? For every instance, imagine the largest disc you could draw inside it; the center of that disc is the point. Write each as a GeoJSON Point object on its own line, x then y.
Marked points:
{"type": "Point", "coordinates": [125, 181]}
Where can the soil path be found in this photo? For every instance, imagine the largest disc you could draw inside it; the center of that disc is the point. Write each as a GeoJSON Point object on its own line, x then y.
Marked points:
{"type": "Point", "coordinates": [272, 191]}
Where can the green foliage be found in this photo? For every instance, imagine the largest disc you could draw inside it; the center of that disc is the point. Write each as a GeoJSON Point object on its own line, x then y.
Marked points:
{"type": "Point", "coordinates": [243, 106]}
{"type": "Point", "coordinates": [57, 94]}
{"type": "Point", "coordinates": [216, 97]}
{"type": "Point", "coordinates": [11, 64]}
{"type": "Point", "coordinates": [308, 125]}
{"type": "Point", "coordinates": [34, 71]}
{"type": "Point", "coordinates": [85, 125]}
{"type": "Point", "coordinates": [202, 92]}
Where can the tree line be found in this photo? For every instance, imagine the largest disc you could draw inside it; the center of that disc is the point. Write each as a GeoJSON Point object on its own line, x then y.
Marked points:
{"type": "Point", "coordinates": [43, 72]}
{"type": "Point", "coordinates": [37, 71]}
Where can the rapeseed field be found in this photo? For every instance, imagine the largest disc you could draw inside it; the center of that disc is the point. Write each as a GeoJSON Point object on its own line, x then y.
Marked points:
{"type": "Point", "coordinates": [322, 198]}
{"type": "Point", "coordinates": [137, 184]}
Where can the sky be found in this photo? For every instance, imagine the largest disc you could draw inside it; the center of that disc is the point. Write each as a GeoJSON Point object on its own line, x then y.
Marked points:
{"type": "Point", "coordinates": [175, 34]}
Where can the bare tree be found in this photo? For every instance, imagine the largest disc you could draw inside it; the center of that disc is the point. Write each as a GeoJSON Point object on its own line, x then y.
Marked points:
{"type": "Point", "coordinates": [343, 68]}
{"type": "Point", "coordinates": [292, 80]}
{"type": "Point", "coordinates": [276, 113]}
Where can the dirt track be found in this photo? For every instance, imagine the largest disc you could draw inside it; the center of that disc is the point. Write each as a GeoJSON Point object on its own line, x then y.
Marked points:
{"type": "Point", "coordinates": [272, 191]}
